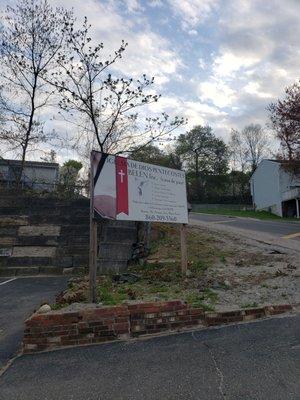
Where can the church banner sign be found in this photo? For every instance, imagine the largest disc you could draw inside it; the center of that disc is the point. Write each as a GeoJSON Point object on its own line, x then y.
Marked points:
{"type": "Point", "coordinates": [135, 191]}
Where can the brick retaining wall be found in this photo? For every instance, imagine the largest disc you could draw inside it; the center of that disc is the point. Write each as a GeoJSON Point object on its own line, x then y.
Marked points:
{"type": "Point", "coordinates": [97, 325]}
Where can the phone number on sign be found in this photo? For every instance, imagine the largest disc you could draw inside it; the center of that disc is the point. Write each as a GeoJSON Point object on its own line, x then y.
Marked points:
{"type": "Point", "coordinates": [163, 218]}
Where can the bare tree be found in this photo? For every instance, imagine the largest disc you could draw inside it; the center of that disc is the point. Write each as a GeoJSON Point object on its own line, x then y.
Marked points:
{"type": "Point", "coordinates": [31, 37]}
{"type": "Point", "coordinates": [105, 108]}
{"type": "Point", "coordinates": [285, 119]}
{"type": "Point", "coordinates": [249, 146]}
{"type": "Point", "coordinates": [238, 152]}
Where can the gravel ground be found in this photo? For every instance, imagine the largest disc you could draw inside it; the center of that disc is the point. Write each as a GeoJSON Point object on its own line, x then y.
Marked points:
{"type": "Point", "coordinates": [254, 274]}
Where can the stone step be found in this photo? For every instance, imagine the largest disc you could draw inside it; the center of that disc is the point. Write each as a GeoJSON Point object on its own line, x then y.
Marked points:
{"type": "Point", "coordinates": [13, 220]}
{"type": "Point", "coordinates": [30, 270]}
{"type": "Point", "coordinates": [59, 219]}
{"type": "Point", "coordinates": [7, 241]}
{"type": "Point", "coordinates": [73, 250]}
{"type": "Point", "coordinates": [29, 203]}
{"type": "Point", "coordinates": [8, 230]}
{"type": "Point", "coordinates": [82, 240]}
{"type": "Point", "coordinates": [26, 261]}
{"type": "Point", "coordinates": [39, 230]}
{"type": "Point", "coordinates": [75, 230]}
{"type": "Point", "coordinates": [6, 211]}
{"type": "Point", "coordinates": [65, 261]}
{"type": "Point", "coordinates": [34, 251]}
{"type": "Point", "coordinates": [43, 241]}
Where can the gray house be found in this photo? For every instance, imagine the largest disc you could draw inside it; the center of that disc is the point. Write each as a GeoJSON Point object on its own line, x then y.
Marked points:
{"type": "Point", "coordinates": [275, 189]}
{"type": "Point", "coordinates": [36, 175]}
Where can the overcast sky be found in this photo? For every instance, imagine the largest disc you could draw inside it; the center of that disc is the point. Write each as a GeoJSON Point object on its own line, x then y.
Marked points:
{"type": "Point", "coordinates": [216, 62]}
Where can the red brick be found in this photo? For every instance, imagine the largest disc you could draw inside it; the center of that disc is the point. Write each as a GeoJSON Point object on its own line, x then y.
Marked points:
{"type": "Point", "coordinates": [196, 318]}
{"type": "Point", "coordinates": [68, 342]}
{"type": "Point", "coordinates": [235, 318]}
{"type": "Point", "coordinates": [83, 325]}
{"type": "Point", "coordinates": [283, 307]}
{"type": "Point", "coordinates": [231, 313]}
{"type": "Point", "coordinates": [136, 316]}
{"type": "Point", "coordinates": [152, 331]}
{"type": "Point", "coordinates": [175, 325]}
{"type": "Point", "coordinates": [85, 330]}
{"type": "Point", "coordinates": [196, 311]}
{"type": "Point", "coordinates": [104, 333]}
{"type": "Point", "coordinates": [121, 319]}
{"type": "Point", "coordinates": [102, 328]}
{"type": "Point", "coordinates": [39, 340]}
{"type": "Point", "coordinates": [122, 326]}
{"type": "Point", "coordinates": [258, 310]}
{"type": "Point", "coordinates": [84, 341]}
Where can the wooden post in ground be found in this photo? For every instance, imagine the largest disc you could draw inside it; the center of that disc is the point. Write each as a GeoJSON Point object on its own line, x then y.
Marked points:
{"type": "Point", "coordinates": [93, 242]}
{"type": "Point", "coordinates": [183, 248]}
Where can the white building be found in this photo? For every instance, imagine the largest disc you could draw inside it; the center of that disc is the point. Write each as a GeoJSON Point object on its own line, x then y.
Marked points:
{"type": "Point", "coordinates": [275, 189]}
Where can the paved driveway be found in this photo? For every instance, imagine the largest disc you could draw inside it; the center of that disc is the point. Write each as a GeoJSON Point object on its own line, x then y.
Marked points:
{"type": "Point", "coordinates": [18, 299]}
{"type": "Point", "coordinates": [254, 361]}
{"type": "Point", "coordinates": [280, 229]}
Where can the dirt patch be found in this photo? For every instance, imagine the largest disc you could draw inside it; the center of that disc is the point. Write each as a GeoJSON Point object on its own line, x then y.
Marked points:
{"type": "Point", "coordinates": [225, 272]}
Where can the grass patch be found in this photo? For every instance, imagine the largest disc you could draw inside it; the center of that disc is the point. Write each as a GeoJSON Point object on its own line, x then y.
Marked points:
{"type": "Point", "coordinates": [197, 301]}
{"type": "Point", "coordinates": [160, 278]}
{"type": "Point", "coordinates": [264, 215]}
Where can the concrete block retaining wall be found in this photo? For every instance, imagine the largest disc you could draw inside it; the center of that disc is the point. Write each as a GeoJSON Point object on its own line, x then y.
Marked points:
{"type": "Point", "coordinates": [49, 235]}
{"type": "Point", "coordinates": [98, 325]}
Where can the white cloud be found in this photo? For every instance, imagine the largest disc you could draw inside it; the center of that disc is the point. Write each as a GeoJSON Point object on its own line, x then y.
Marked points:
{"type": "Point", "coordinates": [255, 89]}
{"type": "Point", "coordinates": [147, 51]}
{"type": "Point", "coordinates": [216, 91]}
{"type": "Point", "coordinates": [133, 5]}
{"type": "Point", "coordinates": [155, 3]}
{"type": "Point", "coordinates": [227, 64]}
{"type": "Point", "coordinates": [192, 12]}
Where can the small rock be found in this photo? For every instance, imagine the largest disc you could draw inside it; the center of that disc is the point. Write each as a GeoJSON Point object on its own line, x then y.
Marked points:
{"type": "Point", "coordinates": [126, 278]}
{"type": "Point", "coordinates": [240, 263]}
{"type": "Point", "coordinates": [227, 284]}
{"type": "Point", "coordinates": [290, 266]}
{"type": "Point", "coordinates": [44, 309]}
{"type": "Point", "coordinates": [188, 273]}
{"type": "Point", "coordinates": [275, 251]}
{"type": "Point", "coordinates": [68, 271]}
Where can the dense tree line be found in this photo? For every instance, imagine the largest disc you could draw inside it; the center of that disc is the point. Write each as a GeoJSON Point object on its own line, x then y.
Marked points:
{"type": "Point", "coordinates": [206, 160]}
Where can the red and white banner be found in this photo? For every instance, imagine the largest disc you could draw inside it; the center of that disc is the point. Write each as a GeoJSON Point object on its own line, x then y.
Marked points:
{"type": "Point", "coordinates": [122, 185]}
{"type": "Point", "coordinates": [135, 191]}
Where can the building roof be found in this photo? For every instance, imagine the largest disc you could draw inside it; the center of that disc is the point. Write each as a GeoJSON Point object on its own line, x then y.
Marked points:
{"type": "Point", "coordinates": [282, 162]}
{"type": "Point", "coordinates": [297, 162]}
{"type": "Point", "coordinates": [40, 164]}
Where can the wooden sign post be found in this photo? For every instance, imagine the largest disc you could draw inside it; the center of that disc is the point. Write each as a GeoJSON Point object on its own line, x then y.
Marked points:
{"type": "Point", "coordinates": [183, 247]}
{"type": "Point", "coordinates": [93, 242]}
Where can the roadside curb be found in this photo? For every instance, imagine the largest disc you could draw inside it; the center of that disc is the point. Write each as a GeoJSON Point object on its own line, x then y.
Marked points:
{"type": "Point", "coordinates": [59, 329]}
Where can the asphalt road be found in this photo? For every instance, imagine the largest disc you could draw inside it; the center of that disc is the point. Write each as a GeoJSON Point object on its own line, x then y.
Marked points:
{"type": "Point", "coordinates": [279, 229]}
{"type": "Point", "coordinates": [254, 361]}
{"type": "Point", "coordinates": [18, 299]}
